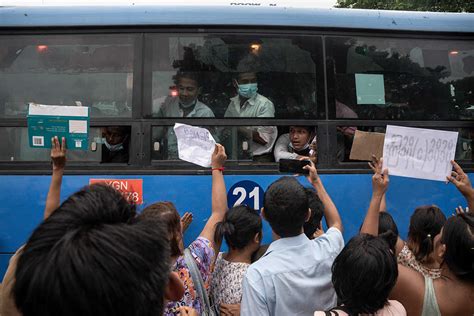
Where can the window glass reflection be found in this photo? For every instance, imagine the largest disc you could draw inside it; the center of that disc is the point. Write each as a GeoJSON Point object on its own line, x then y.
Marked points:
{"type": "Point", "coordinates": [286, 71]}
{"type": "Point", "coordinates": [87, 70]}
{"type": "Point", "coordinates": [401, 79]}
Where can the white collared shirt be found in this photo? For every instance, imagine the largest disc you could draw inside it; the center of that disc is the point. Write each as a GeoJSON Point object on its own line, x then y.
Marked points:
{"type": "Point", "coordinates": [293, 277]}
{"type": "Point", "coordinates": [256, 106]}
{"type": "Point", "coordinates": [171, 108]}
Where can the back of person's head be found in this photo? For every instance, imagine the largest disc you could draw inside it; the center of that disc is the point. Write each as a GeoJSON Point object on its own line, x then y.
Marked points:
{"type": "Point", "coordinates": [425, 223]}
{"type": "Point", "coordinates": [240, 226]}
{"type": "Point", "coordinates": [316, 206]}
{"type": "Point", "coordinates": [166, 213]}
{"type": "Point", "coordinates": [364, 273]}
{"type": "Point", "coordinates": [93, 257]}
{"type": "Point", "coordinates": [286, 206]}
{"type": "Point", "coordinates": [388, 229]}
{"type": "Point", "coordinates": [458, 237]}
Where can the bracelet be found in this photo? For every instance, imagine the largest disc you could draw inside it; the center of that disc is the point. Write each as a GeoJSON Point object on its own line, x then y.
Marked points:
{"type": "Point", "coordinates": [221, 169]}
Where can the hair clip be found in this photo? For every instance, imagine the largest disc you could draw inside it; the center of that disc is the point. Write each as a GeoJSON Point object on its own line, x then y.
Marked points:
{"type": "Point", "coordinates": [429, 235]}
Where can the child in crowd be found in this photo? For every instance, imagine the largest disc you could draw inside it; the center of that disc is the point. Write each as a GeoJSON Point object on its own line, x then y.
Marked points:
{"type": "Point", "coordinates": [204, 248]}
{"type": "Point", "coordinates": [242, 230]}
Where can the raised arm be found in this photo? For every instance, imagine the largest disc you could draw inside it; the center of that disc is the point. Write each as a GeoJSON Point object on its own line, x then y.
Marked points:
{"type": "Point", "coordinates": [460, 179]}
{"type": "Point", "coordinates": [330, 211]}
{"type": "Point", "coordinates": [380, 182]}
{"type": "Point", "coordinates": [58, 159]}
{"type": "Point", "coordinates": [219, 196]}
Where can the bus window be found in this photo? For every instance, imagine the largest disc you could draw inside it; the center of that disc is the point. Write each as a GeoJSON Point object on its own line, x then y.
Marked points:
{"type": "Point", "coordinates": [243, 143]}
{"type": "Point", "coordinates": [262, 144]}
{"type": "Point", "coordinates": [115, 144]}
{"type": "Point", "coordinates": [87, 70]}
{"type": "Point", "coordinates": [14, 146]}
{"type": "Point", "coordinates": [345, 137]}
{"type": "Point", "coordinates": [400, 79]}
{"type": "Point", "coordinates": [288, 75]}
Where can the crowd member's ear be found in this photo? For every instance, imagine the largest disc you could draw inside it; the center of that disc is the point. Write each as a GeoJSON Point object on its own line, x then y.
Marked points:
{"type": "Point", "coordinates": [441, 251]}
{"type": "Point", "coordinates": [257, 238]}
{"type": "Point", "coordinates": [308, 215]}
{"type": "Point", "coordinates": [174, 289]}
{"type": "Point", "coordinates": [262, 213]}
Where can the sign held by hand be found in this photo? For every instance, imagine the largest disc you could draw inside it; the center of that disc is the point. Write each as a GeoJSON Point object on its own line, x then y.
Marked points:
{"type": "Point", "coordinates": [195, 144]}
{"type": "Point", "coordinates": [418, 152]}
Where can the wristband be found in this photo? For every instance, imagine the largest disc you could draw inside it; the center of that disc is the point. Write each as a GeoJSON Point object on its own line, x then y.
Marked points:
{"type": "Point", "coordinates": [221, 169]}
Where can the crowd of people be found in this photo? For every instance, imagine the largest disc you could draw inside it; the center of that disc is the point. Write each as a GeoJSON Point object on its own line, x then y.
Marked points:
{"type": "Point", "coordinates": [94, 254]}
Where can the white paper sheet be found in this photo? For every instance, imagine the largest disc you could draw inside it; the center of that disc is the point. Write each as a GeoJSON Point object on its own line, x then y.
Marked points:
{"type": "Point", "coordinates": [418, 152]}
{"type": "Point", "coordinates": [77, 126]}
{"type": "Point", "coordinates": [195, 144]}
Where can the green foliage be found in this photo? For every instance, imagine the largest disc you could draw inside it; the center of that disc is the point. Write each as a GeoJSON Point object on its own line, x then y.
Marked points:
{"type": "Point", "coordinates": [410, 5]}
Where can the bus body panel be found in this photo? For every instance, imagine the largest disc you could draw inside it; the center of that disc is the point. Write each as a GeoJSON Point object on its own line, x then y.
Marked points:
{"type": "Point", "coordinates": [83, 16]}
{"type": "Point", "coordinates": [24, 197]}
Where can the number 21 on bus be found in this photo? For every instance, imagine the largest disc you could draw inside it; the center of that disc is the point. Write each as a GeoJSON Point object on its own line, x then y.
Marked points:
{"type": "Point", "coordinates": [245, 193]}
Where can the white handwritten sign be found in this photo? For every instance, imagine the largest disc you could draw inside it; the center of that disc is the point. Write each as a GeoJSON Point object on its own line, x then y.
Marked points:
{"type": "Point", "coordinates": [418, 152]}
{"type": "Point", "coordinates": [195, 144]}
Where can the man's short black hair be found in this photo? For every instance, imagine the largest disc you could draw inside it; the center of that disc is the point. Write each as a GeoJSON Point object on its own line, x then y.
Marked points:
{"type": "Point", "coordinates": [364, 273]}
{"type": "Point", "coordinates": [286, 206]}
{"type": "Point", "coordinates": [193, 75]}
{"type": "Point", "coordinates": [93, 257]}
{"type": "Point", "coordinates": [317, 208]}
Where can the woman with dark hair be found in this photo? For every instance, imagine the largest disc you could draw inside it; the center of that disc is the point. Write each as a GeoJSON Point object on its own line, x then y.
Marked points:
{"type": "Point", "coordinates": [453, 292]}
{"type": "Point", "coordinates": [242, 230]}
{"type": "Point", "coordinates": [363, 275]}
{"type": "Point", "coordinates": [204, 248]}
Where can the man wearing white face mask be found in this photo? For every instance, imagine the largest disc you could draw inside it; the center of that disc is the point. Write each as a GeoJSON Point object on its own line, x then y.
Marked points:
{"type": "Point", "coordinates": [248, 103]}
{"type": "Point", "coordinates": [115, 144]}
{"type": "Point", "coordinates": [185, 104]}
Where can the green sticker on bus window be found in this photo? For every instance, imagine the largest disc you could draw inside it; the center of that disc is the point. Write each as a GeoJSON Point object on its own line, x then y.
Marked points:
{"type": "Point", "coordinates": [370, 89]}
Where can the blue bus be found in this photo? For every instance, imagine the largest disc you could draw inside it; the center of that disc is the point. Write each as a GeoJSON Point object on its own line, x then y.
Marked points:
{"type": "Point", "coordinates": [122, 63]}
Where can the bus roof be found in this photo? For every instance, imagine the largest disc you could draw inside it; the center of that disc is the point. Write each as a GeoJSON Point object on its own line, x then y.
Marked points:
{"type": "Point", "coordinates": [234, 15]}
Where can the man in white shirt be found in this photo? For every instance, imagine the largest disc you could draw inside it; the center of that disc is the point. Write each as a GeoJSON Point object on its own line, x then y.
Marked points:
{"type": "Point", "coordinates": [185, 104]}
{"type": "Point", "coordinates": [248, 103]}
{"type": "Point", "coordinates": [294, 275]}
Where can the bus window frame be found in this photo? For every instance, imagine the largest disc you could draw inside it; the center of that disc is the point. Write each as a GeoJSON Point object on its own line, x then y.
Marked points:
{"type": "Point", "coordinates": [140, 122]}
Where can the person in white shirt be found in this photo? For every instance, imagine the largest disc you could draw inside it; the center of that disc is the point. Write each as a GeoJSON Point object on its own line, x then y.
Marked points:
{"type": "Point", "coordinates": [294, 275]}
{"type": "Point", "coordinates": [186, 104]}
{"type": "Point", "coordinates": [249, 103]}
{"type": "Point", "coordinates": [296, 144]}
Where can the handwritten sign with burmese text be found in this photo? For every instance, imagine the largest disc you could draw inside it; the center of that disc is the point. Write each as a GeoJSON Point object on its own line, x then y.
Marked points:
{"type": "Point", "coordinates": [418, 152]}
{"type": "Point", "coordinates": [195, 144]}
